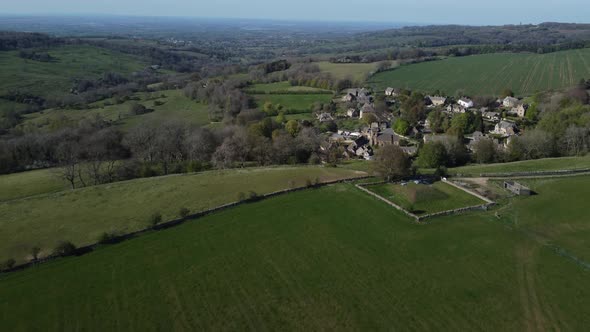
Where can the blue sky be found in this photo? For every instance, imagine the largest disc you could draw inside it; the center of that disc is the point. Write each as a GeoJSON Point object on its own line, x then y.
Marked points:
{"type": "Point", "coordinates": [418, 11]}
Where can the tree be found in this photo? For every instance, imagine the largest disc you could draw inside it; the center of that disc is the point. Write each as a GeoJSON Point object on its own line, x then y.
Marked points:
{"type": "Point", "coordinates": [436, 119]}
{"type": "Point", "coordinates": [576, 140]}
{"type": "Point", "coordinates": [292, 127]}
{"type": "Point", "coordinates": [391, 163]}
{"type": "Point", "coordinates": [484, 151]}
{"type": "Point", "coordinates": [412, 108]}
{"type": "Point", "coordinates": [184, 212]}
{"type": "Point", "coordinates": [65, 248]}
{"type": "Point", "coordinates": [401, 126]}
{"type": "Point", "coordinates": [507, 93]}
{"type": "Point", "coordinates": [234, 149]}
{"type": "Point", "coordinates": [138, 109]}
{"type": "Point", "coordinates": [369, 118]}
{"type": "Point", "coordinates": [7, 265]}
{"type": "Point", "coordinates": [155, 219]}
{"type": "Point", "coordinates": [35, 253]}
{"type": "Point", "coordinates": [68, 154]}
{"type": "Point", "coordinates": [432, 155]}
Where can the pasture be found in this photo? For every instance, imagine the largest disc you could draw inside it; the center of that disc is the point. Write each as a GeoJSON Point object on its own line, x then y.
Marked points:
{"type": "Point", "coordinates": [81, 215]}
{"type": "Point", "coordinates": [299, 103]}
{"type": "Point", "coordinates": [357, 72]}
{"type": "Point", "coordinates": [283, 87]}
{"type": "Point", "coordinates": [490, 74]}
{"type": "Point", "coordinates": [548, 164]}
{"type": "Point", "coordinates": [72, 62]}
{"type": "Point", "coordinates": [557, 215]}
{"type": "Point", "coordinates": [425, 199]}
{"type": "Point", "coordinates": [168, 105]}
{"type": "Point", "coordinates": [333, 258]}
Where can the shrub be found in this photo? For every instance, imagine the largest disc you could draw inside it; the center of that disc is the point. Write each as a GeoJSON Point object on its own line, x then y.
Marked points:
{"type": "Point", "coordinates": [7, 265]}
{"type": "Point", "coordinates": [184, 212]}
{"type": "Point", "coordinates": [35, 253]}
{"type": "Point", "coordinates": [252, 196]}
{"type": "Point", "coordinates": [441, 172]}
{"type": "Point", "coordinates": [308, 183]}
{"type": "Point", "coordinates": [107, 238]}
{"type": "Point", "coordinates": [241, 197]}
{"type": "Point", "coordinates": [155, 218]}
{"type": "Point", "coordinates": [314, 159]}
{"type": "Point", "coordinates": [65, 248]}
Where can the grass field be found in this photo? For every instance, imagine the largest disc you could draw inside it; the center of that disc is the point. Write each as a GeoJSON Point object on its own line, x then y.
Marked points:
{"type": "Point", "coordinates": [549, 164]}
{"type": "Point", "coordinates": [25, 184]}
{"type": "Point", "coordinates": [175, 106]}
{"type": "Point", "coordinates": [81, 215]}
{"type": "Point", "coordinates": [294, 102]}
{"type": "Point", "coordinates": [284, 87]}
{"type": "Point", "coordinates": [46, 78]}
{"type": "Point", "coordinates": [489, 74]}
{"type": "Point", "coordinates": [424, 199]}
{"type": "Point", "coordinates": [557, 215]}
{"type": "Point", "coordinates": [313, 260]}
{"type": "Point", "coordinates": [355, 71]}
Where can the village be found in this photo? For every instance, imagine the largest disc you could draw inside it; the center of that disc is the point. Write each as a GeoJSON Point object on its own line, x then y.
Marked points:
{"type": "Point", "coordinates": [377, 127]}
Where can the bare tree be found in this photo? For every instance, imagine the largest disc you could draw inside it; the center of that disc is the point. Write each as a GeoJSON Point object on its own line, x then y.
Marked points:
{"type": "Point", "coordinates": [68, 156]}
{"type": "Point", "coordinates": [391, 163]}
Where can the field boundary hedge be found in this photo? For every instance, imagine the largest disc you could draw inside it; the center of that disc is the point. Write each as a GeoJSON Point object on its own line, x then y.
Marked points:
{"type": "Point", "coordinates": [176, 222]}
{"type": "Point", "coordinates": [420, 219]}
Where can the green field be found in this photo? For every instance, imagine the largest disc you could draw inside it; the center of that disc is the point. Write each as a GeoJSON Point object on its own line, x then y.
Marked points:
{"type": "Point", "coordinates": [25, 184]}
{"type": "Point", "coordinates": [425, 199]}
{"type": "Point", "coordinates": [294, 102]}
{"type": "Point", "coordinates": [284, 87]}
{"type": "Point", "coordinates": [549, 164]}
{"type": "Point", "coordinates": [327, 259]}
{"type": "Point", "coordinates": [557, 215]}
{"type": "Point", "coordinates": [81, 215]}
{"type": "Point", "coordinates": [355, 71]}
{"type": "Point", "coordinates": [176, 106]}
{"type": "Point", "coordinates": [48, 78]}
{"type": "Point", "coordinates": [489, 74]}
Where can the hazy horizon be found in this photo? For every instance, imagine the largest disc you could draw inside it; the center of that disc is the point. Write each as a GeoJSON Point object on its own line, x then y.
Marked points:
{"type": "Point", "coordinates": [378, 11]}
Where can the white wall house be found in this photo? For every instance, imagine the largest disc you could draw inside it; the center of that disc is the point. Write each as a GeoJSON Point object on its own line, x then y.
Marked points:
{"type": "Point", "coordinates": [465, 102]}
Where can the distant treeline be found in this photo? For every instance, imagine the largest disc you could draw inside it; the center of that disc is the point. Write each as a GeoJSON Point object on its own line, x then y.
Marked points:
{"type": "Point", "coordinates": [10, 41]}
{"type": "Point", "coordinates": [455, 40]}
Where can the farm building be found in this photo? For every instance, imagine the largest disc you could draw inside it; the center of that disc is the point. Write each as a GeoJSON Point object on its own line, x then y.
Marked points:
{"type": "Point", "coordinates": [517, 188]}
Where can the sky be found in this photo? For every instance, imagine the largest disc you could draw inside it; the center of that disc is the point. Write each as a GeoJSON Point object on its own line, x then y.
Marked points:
{"type": "Point", "coordinates": [472, 12]}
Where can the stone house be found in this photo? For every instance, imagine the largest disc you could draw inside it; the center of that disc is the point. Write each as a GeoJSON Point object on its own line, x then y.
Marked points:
{"type": "Point", "coordinates": [353, 113]}
{"type": "Point", "coordinates": [437, 100]}
{"type": "Point", "coordinates": [519, 110]}
{"type": "Point", "coordinates": [510, 102]}
{"type": "Point", "coordinates": [505, 128]}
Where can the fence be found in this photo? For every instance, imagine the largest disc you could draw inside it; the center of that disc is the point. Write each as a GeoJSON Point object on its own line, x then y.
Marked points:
{"type": "Point", "coordinates": [172, 223]}
{"type": "Point", "coordinates": [419, 219]}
